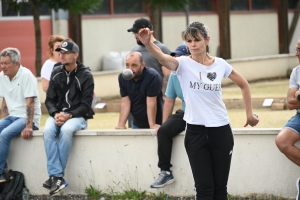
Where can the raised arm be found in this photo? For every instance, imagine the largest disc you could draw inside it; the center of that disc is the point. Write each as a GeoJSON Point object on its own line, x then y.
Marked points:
{"type": "Point", "coordinates": [166, 60]}
{"type": "Point", "coordinates": [4, 109]}
{"type": "Point", "coordinates": [124, 112]}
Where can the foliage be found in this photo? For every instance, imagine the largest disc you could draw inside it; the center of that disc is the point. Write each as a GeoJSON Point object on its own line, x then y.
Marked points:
{"type": "Point", "coordinates": [92, 193]}
{"type": "Point", "coordinates": [75, 6]}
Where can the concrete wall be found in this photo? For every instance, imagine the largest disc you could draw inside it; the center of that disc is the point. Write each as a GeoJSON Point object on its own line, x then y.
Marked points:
{"type": "Point", "coordinates": [120, 160]}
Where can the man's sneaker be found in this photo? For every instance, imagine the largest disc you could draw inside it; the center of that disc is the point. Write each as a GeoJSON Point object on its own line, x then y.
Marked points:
{"type": "Point", "coordinates": [57, 184]}
{"type": "Point", "coordinates": [165, 178]}
{"type": "Point", "coordinates": [47, 184]}
{"type": "Point", "coordinates": [5, 176]}
{"type": "Point", "coordinates": [298, 188]}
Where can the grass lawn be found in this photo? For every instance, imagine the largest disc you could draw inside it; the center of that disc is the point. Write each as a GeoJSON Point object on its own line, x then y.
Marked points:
{"type": "Point", "coordinates": [264, 89]}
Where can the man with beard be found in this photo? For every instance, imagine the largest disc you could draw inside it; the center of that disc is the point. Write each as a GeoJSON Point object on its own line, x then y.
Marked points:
{"type": "Point", "coordinates": [141, 95]}
{"type": "Point", "coordinates": [69, 99]}
{"type": "Point", "coordinates": [150, 60]}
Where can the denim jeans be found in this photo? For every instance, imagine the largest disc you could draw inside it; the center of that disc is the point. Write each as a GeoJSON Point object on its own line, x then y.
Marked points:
{"type": "Point", "coordinates": [57, 152]}
{"type": "Point", "coordinates": [10, 127]}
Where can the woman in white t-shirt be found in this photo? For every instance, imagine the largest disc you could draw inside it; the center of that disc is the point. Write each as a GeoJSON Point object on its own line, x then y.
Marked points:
{"type": "Point", "coordinates": [54, 42]}
{"type": "Point", "coordinates": [209, 138]}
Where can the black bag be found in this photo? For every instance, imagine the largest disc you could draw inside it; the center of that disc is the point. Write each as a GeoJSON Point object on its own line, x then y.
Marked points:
{"type": "Point", "coordinates": [13, 188]}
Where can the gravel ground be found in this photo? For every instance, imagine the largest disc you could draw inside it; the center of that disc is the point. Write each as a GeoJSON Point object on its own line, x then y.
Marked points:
{"type": "Point", "coordinates": [71, 197]}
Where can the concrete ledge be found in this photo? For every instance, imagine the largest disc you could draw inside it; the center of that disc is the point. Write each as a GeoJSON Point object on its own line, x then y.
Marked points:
{"type": "Point", "coordinates": [121, 159]}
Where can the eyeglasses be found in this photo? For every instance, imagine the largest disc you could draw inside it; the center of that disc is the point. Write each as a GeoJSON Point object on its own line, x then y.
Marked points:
{"type": "Point", "coordinates": [297, 50]}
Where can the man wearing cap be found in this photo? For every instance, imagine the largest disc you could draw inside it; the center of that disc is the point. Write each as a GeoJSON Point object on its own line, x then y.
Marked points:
{"type": "Point", "coordinates": [173, 124]}
{"type": "Point", "coordinates": [150, 60]}
{"type": "Point", "coordinates": [68, 100]}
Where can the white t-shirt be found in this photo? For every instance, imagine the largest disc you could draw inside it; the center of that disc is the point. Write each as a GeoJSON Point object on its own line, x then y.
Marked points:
{"type": "Point", "coordinates": [47, 69]}
{"type": "Point", "coordinates": [202, 91]}
{"type": "Point", "coordinates": [295, 80]}
{"type": "Point", "coordinates": [15, 92]}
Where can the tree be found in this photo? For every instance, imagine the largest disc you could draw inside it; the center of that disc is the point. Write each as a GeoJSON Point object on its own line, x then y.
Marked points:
{"type": "Point", "coordinates": [74, 6]}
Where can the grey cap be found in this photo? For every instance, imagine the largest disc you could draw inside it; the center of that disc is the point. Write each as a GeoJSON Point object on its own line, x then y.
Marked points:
{"type": "Point", "coordinates": [68, 46]}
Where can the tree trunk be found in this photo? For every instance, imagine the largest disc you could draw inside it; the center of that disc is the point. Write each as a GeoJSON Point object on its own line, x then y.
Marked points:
{"type": "Point", "coordinates": [75, 32]}
{"type": "Point", "coordinates": [294, 23]}
{"type": "Point", "coordinates": [224, 27]}
{"type": "Point", "coordinates": [38, 41]}
{"type": "Point", "coordinates": [156, 20]}
{"type": "Point", "coordinates": [283, 27]}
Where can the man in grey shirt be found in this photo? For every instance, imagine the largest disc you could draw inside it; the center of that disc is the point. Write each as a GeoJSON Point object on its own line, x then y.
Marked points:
{"type": "Point", "coordinates": [149, 60]}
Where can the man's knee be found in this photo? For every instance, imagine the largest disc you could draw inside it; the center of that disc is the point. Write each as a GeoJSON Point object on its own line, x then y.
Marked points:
{"type": "Point", "coordinates": [285, 139]}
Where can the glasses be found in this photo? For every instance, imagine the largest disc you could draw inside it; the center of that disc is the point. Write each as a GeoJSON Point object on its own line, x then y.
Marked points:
{"type": "Point", "coordinates": [297, 50]}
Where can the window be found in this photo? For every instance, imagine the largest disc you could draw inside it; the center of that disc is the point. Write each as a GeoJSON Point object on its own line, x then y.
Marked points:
{"type": "Point", "coordinates": [239, 5]}
{"type": "Point", "coordinates": [128, 6]}
{"type": "Point", "coordinates": [25, 10]}
{"type": "Point", "coordinates": [252, 4]}
{"type": "Point", "coordinates": [119, 7]}
{"type": "Point", "coordinates": [293, 4]}
{"type": "Point", "coordinates": [194, 6]}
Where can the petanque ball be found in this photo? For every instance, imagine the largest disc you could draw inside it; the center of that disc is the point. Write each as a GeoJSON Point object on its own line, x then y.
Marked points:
{"type": "Point", "coordinates": [127, 74]}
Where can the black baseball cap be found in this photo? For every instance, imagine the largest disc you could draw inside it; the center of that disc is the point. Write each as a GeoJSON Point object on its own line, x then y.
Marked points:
{"type": "Point", "coordinates": [140, 23]}
{"type": "Point", "coordinates": [68, 46]}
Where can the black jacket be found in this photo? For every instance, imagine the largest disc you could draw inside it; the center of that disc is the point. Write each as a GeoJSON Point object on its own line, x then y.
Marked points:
{"type": "Point", "coordinates": [75, 99]}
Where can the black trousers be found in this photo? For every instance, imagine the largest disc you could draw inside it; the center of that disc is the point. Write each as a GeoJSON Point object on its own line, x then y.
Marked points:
{"type": "Point", "coordinates": [172, 127]}
{"type": "Point", "coordinates": [209, 151]}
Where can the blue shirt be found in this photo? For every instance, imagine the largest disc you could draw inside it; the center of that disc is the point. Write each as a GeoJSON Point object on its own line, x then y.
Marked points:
{"type": "Point", "coordinates": [174, 89]}
{"type": "Point", "coordinates": [149, 85]}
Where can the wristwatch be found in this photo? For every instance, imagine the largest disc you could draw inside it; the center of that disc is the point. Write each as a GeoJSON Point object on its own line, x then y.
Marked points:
{"type": "Point", "coordinates": [298, 97]}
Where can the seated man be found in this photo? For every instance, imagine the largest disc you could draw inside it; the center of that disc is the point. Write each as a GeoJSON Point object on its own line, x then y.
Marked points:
{"type": "Point", "coordinates": [290, 134]}
{"type": "Point", "coordinates": [21, 108]}
{"type": "Point", "coordinates": [141, 95]}
{"type": "Point", "coordinates": [173, 124]}
{"type": "Point", "coordinates": [69, 99]}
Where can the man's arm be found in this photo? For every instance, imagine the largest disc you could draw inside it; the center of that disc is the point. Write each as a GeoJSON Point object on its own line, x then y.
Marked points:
{"type": "Point", "coordinates": [166, 73]}
{"type": "Point", "coordinates": [4, 109]}
{"type": "Point", "coordinates": [27, 131]}
{"type": "Point", "coordinates": [151, 111]}
{"type": "Point", "coordinates": [168, 108]}
{"type": "Point", "coordinates": [292, 101]}
{"type": "Point", "coordinates": [124, 112]}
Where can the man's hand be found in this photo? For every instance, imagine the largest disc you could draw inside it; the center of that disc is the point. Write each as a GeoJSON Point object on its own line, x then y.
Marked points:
{"type": "Point", "coordinates": [297, 93]}
{"type": "Point", "coordinates": [60, 118]}
{"type": "Point", "coordinates": [26, 133]}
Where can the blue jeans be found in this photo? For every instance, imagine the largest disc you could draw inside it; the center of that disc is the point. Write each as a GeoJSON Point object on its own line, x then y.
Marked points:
{"type": "Point", "coordinates": [294, 124]}
{"type": "Point", "coordinates": [10, 127]}
{"type": "Point", "coordinates": [57, 152]}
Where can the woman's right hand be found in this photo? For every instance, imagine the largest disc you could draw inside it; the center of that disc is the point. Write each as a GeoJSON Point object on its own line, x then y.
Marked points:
{"type": "Point", "coordinates": [144, 35]}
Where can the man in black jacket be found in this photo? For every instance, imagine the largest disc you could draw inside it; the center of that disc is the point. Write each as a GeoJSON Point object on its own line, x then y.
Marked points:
{"type": "Point", "coordinates": [68, 100]}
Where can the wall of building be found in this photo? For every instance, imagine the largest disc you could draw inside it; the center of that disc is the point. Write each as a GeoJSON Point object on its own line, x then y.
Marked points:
{"type": "Point", "coordinates": [19, 33]}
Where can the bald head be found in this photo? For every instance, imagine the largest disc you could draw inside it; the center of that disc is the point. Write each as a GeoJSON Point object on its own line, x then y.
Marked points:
{"type": "Point", "coordinates": [135, 54]}
{"type": "Point", "coordinates": [134, 61]}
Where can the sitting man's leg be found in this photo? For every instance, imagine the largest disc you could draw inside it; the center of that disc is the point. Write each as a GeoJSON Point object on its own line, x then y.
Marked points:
{"type": "Point", "coordinates": [9, 128]}
{"type": "Point", "coordinates": [286, 140]}
{"type": "Point", "coordinates": [57, 160]}
{"type": "Point", "coordinates": [51, 147]}
{"type": "Point", "coordinates": [169, 129]}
